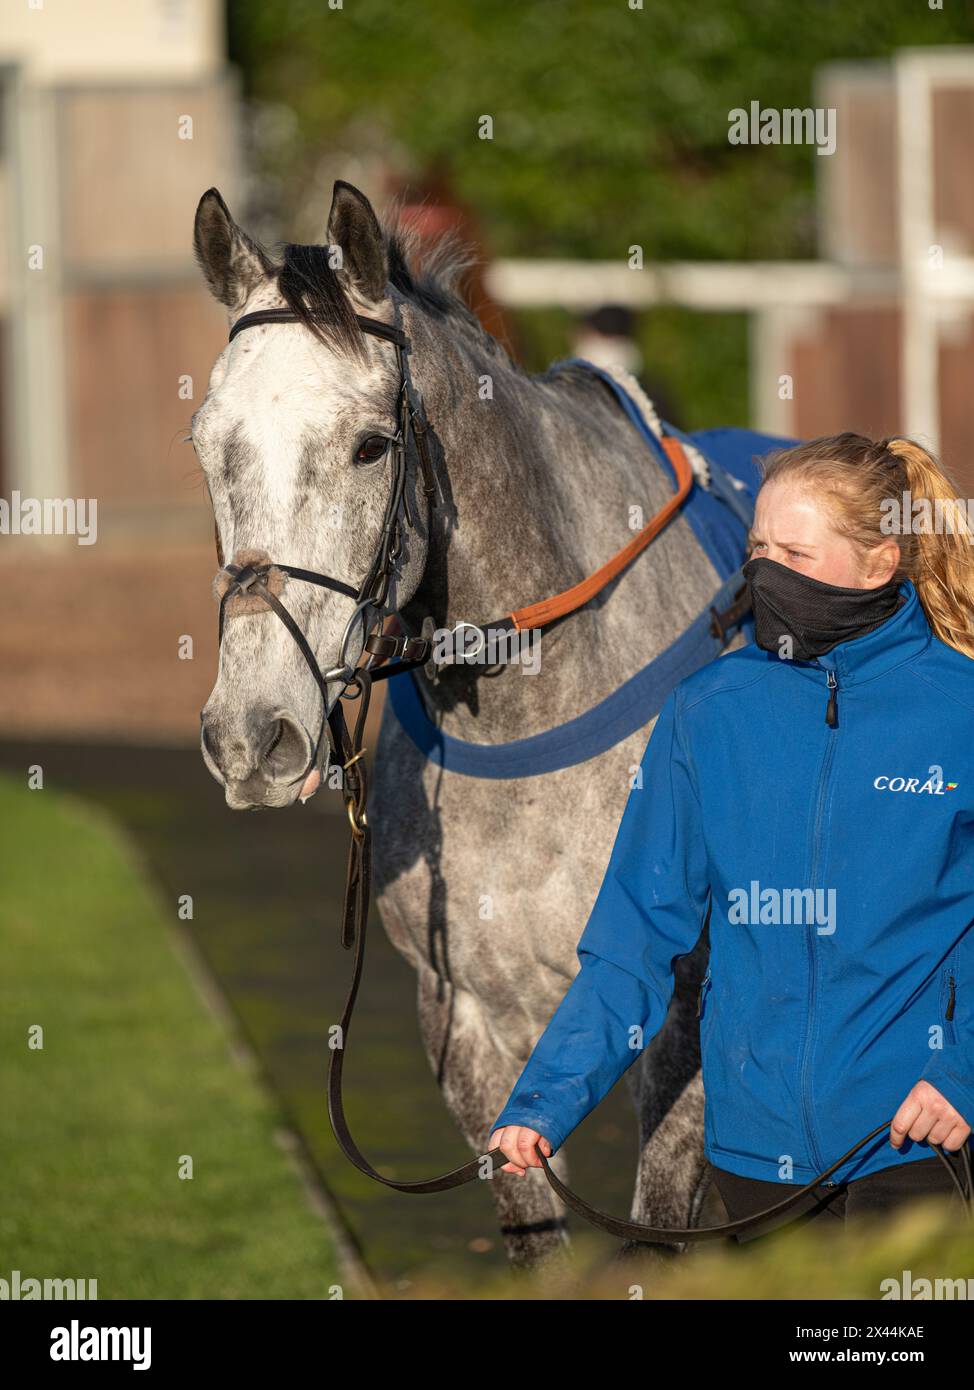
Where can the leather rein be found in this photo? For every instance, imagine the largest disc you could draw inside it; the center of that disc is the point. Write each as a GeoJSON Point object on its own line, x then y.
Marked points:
{"type": "Point", "coordinates": [251, 580]}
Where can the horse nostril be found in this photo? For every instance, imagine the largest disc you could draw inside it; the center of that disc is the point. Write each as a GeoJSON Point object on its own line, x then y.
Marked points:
{"type": "Point", "coordinates": [284, 748]}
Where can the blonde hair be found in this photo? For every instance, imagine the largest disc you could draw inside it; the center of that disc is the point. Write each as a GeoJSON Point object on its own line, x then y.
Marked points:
{"type": "Point", "coordinates": [862, 482]}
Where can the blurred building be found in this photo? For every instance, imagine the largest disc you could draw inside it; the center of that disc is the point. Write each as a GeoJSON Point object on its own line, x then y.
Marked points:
{"type": "Point", "coordinates": [877, 335]}
{"type": "Point", "coordinates": [114, 118]}
{"type": "Point", "coordinates": [894, 349]}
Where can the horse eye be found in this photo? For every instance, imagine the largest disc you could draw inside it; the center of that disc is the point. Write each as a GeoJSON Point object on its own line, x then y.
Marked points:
{"type": "Point", "coordinates": [371, 449]}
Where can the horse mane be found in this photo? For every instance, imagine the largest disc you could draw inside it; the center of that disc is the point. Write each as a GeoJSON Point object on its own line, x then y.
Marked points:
{"type": "Point", "coordinates": [312, 290]}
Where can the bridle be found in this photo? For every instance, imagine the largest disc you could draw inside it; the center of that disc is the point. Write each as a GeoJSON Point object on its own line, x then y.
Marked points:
{"type": "Point", "coordinates": [251, 580]}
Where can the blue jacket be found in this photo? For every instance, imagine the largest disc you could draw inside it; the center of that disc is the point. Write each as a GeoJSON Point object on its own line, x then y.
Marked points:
{"type": "Point", "coordinates": [820, 1010]}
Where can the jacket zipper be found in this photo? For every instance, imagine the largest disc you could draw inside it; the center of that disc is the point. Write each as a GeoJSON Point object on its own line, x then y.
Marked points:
{"type": "Point", "coordinates": [832, 720]}
{"type": "Point", "coordinates": [832, 708]}
{"type": "Point", "coordinates": [949, 1011]}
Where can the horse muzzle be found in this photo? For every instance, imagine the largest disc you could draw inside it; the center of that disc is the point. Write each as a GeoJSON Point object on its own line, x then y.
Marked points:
{"type": "Point", "coordinates": [259, 756]}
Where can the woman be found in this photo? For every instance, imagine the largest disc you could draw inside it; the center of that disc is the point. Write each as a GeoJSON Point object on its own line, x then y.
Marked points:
{"type": "Point", "coordinates": [815, 791]}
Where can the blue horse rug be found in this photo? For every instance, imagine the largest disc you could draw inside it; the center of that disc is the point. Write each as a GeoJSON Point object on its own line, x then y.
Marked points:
{"type": "Point", "coordinates": [720, 515]}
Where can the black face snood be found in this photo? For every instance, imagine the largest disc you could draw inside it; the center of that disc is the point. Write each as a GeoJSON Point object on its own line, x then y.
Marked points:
{"type": "Point", "coordinates": [815, 617]}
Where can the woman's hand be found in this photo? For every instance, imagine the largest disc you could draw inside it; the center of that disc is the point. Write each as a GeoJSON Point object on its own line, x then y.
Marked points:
{"type": "Point", "coordinates": [926, 1114]}
{"type": "Point", "coordinates": [518, 1142]}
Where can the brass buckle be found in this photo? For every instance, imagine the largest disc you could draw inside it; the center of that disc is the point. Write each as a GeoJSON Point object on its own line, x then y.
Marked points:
{"type": "Point", "coordinates": [358, 825]}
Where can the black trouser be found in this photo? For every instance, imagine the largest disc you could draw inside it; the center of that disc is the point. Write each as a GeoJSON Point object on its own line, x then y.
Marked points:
{"type": "Point", "coordinates": [869, 1196]}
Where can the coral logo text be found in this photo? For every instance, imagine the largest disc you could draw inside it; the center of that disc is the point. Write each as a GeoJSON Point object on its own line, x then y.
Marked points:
{"type": "Point", "coordinates": [933, 786]}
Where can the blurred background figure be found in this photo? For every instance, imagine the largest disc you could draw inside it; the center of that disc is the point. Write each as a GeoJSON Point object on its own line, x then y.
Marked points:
{"type": "Point", "coordinates": [606, 336]}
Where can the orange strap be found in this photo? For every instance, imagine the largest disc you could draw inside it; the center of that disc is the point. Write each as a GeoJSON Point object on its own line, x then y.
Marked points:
{"type": "Point", "coordinates": [537, 614]}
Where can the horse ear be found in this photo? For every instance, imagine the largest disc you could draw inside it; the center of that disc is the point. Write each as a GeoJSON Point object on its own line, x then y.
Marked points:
{"type": "Point", "coordinates": [234, 264]}
{"type": "Point", "coordinates": [354, 229]}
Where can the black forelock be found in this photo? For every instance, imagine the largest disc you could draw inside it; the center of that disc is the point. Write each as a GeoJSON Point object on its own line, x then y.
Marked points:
{"type": "Point", "coordinates": [313, 291]}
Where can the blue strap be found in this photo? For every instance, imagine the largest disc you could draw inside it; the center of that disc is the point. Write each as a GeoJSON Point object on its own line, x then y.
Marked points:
{"type": "Point", "coordinates": [630, 707]}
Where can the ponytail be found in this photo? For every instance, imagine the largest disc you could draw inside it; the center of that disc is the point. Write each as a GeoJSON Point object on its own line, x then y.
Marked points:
{"type": "Point", "coordinates": [943, 568]}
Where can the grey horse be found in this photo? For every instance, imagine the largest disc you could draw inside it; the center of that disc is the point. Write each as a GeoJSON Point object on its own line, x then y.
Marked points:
{"type": "Point", "coordinates": [483, 885]}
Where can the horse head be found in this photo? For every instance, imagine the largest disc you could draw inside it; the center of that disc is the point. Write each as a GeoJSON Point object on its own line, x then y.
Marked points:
{"type": "Point", "coordinates": [296, 438]}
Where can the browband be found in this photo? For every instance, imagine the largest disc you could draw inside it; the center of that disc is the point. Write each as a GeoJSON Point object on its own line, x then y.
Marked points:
{"type": "Point", "coordinates": [376, 327]}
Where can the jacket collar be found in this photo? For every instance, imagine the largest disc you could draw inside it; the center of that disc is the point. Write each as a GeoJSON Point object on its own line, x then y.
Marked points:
{"type": "Point", "coordinates": [900, 638]}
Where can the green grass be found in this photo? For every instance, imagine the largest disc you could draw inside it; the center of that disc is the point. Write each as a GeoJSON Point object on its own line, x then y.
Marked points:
{"type": "Point", "coordinates": [928, 1238]}
{"type": "Point", "coordinates": [133, 1075]}
{"type": "Point", "coordinates": [874, 1261]}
